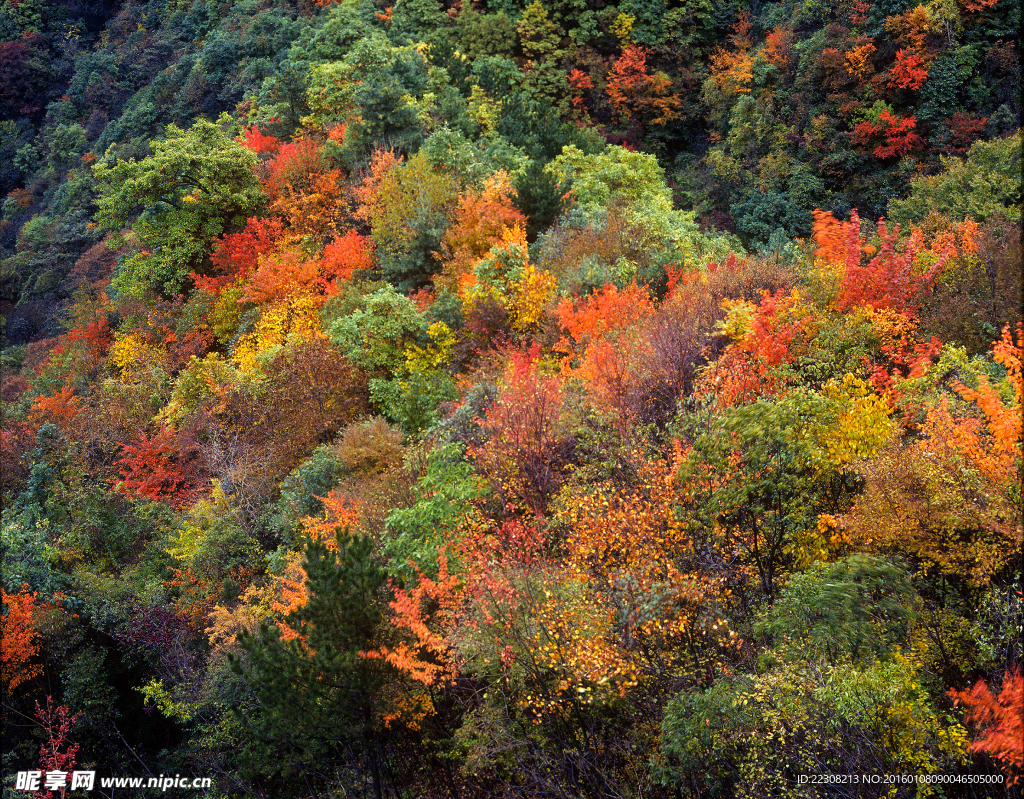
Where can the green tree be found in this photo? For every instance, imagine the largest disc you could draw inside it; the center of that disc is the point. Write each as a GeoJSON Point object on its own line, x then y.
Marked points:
{"type": "Point", "coordinates": [408, 217]}
{"type": "Point", "coordinates": [66, 144]}
{"type": "Point", "coordinates": [538, 35]}
{"type": "Point", "coordinates": [484, 34]}
{"type": "Point", "coordinates": [444, 496]}
{"type": "Point", "coordinates": [539, 40]}
{"type": "Point", "coordinates": [858, 608]}
{"type": "Point", "coordinates": [197, 185]}
{"type": "Point", "coordinates": [939, 96]}
{"type": "Point", "coordinates": [341, 28]}
{"type": "Point", "coordinates": [782, 476]}
{"type": "Point", "coordinates": [315, 708]}
{"type": "Point", "coordinates": [540, 197]}
{"type": "Point", "coordinates": [836, 692]}
{"type": "Point", "coordinates": [985, 183]}
{"type": "Point", "coordinates": [415, 20]}
{"type": "Point", "coordinates": [762, 213]}
{"type": "Point", "coordinates": [614, 175]}
{"type": "Point", "coordinates": [748, 736]}
{"type": "Point", "coordinates": [375, 334]}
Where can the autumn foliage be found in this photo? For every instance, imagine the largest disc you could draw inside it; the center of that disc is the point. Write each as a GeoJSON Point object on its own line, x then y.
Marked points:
{"type": "Point", "coordinates": [290, 272]}
{"type": "Point", "coordinates": [257, 141]}
{"type": "Point", "coordinates": [778, 49]}
{"type": "Point", "coordinates": [634, 92]}
{"type": "Point", "coordinates": [894, 277]}
{"type": "Point", "coordinates": [1000, 720]}
{"type": "Point", "coordinates": [484, 405]}
{"type": "Point", "coordinates": [991, 444]}
{"type": "Point", "coordinates": [57, 753]}
{"type": "Point", "coordinates": [236, 255]}
{"type": "Point", "coordinates": [908, 71]}
{"type": "Point", "coordinates": [525, 440]}
{"type": "Point", "coordinates": [890, 136]}
{"type": "Point", "coordinates": [480, 222]}
{"type": "Point", "coordinates": [20, 640]}
{"type": "Point", "coordinates": [162, 467]}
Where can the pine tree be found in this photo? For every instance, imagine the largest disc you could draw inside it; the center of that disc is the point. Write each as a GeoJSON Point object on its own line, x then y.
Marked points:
{"type": "Point", "coordinates": [539, 196]}
{"type": "Point", "coordinates": [315, 695]}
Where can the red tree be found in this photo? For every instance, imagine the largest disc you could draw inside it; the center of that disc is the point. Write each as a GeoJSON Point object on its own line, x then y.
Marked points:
{"type": "Point", "coordinates": [893, 136]}
{"type": "Point", "coordinates": [342, 258]}
{"type": "Point", "coordinates": [294, 162]}
{"type": "Point", "coordinates": [778, 49]}
{"type": "Point", "coordinates": [580, 82]}
{"type": "Point", "coordinates": [908, 72]}
{"type": "Point", "coordinates": [521, 457]}
{"type": "Point", "coordinates": [236, 255]}
{"type": "Point", "coordinates": [257, 141]}
{"type": "Point", "coordinates": [163, 467]}
{"type": "Point", "coordinates": [636, 93]}
{"type": "Point", "coordinates": [57, 753]}
{"type": "Point", "coordinates": [1002, 721]}
{"type": "Point", "coordinates": [891, 279]}
{"type": "Point", "coordinates": [963, 132]}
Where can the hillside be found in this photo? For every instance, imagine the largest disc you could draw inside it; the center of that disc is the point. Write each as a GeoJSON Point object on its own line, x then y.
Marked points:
{"type": "Point", "coordinates": [558, 399]}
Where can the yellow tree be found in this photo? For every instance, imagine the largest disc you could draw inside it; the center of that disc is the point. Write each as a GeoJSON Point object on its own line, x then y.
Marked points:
{"type": "Point", "coordinates": [951, 500]}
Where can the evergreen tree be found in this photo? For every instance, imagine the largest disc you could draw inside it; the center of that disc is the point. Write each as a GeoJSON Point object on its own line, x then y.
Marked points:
{"type": "Point", "coordinates": [539, 196]}
{"type": "Point", "coordinates": [314, 709]}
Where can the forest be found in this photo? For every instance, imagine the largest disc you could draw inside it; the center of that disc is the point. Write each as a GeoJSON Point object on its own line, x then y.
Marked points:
{"type": "Point", "coordinates": [565, 399]}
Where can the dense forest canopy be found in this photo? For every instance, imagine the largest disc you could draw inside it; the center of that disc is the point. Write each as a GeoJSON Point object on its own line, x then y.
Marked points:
{"type": "Point", "coordinates": [502, 399]}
